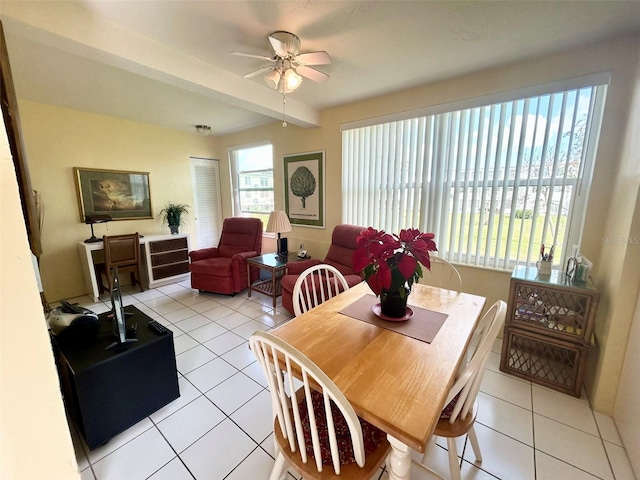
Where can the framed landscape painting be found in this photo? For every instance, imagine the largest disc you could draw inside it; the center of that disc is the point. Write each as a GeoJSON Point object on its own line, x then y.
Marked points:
{"type": "Point", "coordinates": [122, 195]}
{"type": "Point", "coordinates": [304, 189]}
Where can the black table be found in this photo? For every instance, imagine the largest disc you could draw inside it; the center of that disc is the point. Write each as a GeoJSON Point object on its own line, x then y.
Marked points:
{"type": "Point", "coordinates": [109, 390]}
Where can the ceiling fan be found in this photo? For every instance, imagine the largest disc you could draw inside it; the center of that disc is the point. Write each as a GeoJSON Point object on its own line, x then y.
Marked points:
{"type": "Point", "coordinates": [288, 64]}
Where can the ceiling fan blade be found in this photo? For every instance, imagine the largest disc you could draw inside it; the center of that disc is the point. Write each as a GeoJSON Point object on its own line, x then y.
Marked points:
{"type": "Point", "coordinates": [258, 71]}
{"type": "Point", "coordinates": [313, 58]}
{"type": "Point", "coordinates": [312, 74]}
{"type": "Point", "coordinates": [251, 55]}
{"type": "Point", "coordinates": [278, 46]}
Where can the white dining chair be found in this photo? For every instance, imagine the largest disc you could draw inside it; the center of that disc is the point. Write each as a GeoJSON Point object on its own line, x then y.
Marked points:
{"type": "Point", "coordinates": [461, 408]}
{"type": "Point", "coordinates": [316, 285]}
{"type": "Point", "coordinates": [443, 275]}
{"type": "Point", "coordinates": [319, 428]}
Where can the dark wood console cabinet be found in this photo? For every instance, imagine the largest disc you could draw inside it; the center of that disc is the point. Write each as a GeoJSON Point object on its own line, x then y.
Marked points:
{"type": "Point", "coordinates": [108, 390]}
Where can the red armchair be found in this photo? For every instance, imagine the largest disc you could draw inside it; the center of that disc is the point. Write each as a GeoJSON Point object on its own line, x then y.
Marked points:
{"type": "Point", "coordinates": [340, 255]}
{"type": "Point", "coordinates": [223, 269]}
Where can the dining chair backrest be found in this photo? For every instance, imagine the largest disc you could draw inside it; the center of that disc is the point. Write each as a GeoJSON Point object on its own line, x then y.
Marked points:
{"type": "Point", "coordinates": [316, 285]}
{"type": "Point", "coordinates": [468, 382]}
{"type": "Point", "coordinates": [443, 275]}
{"type": "Point", "coordinates": [122, 251]}
{"type": "Point", "coordinates": [284, 366]}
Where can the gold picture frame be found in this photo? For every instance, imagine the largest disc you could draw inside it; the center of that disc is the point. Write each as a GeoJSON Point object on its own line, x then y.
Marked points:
{"type": "Point", "coordinates": [121, 194]}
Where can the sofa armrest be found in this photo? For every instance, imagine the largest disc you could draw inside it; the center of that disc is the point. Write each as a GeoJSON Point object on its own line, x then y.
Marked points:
{"type": "Point", "coordinates": [203, 253]}
{"type": "Point", "coordinates": [242, 256]}
{"type": "Point", "coordinates": [299, 266]}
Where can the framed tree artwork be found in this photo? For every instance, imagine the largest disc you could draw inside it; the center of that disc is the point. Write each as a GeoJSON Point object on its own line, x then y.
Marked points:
{"type": "Point", "coordinates": [304, 189]}
{"type": "Point", "coordinates": [121, 194]}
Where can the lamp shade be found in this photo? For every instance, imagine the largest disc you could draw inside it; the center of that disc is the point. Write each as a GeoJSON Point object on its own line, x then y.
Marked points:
{"type": "Point", "coordinates": [278, 222]}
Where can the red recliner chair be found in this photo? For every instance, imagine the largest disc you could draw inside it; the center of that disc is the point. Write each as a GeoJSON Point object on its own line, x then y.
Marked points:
{"type": "Point", "coordinates": [223, 269]}
{"type": "Point", "coordinates": [340, 255]}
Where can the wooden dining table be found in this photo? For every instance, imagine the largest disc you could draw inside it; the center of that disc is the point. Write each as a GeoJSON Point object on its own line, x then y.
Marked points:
{"type": "Point", "coordinates": [397, 383]}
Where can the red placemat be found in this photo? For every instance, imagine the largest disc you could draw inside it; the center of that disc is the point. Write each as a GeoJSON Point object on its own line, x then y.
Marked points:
{"type": "Point", "coordinates": [423, 326]}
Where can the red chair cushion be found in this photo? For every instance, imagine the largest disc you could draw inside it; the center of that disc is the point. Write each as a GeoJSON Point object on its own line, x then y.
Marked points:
{"type": "Point", "coordinates": [372, 436]}
{"type": "Point", "coordinates": [448, 410]}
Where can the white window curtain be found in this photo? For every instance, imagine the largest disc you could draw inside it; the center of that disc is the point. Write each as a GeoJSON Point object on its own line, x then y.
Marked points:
{"type": "Point", "coordinates": [492, 181]}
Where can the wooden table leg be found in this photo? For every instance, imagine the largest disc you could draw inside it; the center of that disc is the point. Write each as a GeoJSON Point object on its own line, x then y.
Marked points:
{"type": "Point", "coordinates": [274, 293]}
{"type": "Point", "coordinates": [249, 280]}
{"type": "Point", "coordinates": [399, 460]}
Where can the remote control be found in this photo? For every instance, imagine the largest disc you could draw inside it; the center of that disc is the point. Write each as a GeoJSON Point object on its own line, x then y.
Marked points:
{"type": "Point", "coordinates": [158, 328]}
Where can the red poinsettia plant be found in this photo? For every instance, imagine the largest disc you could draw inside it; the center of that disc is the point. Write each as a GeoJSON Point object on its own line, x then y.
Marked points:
{"type": "Point", "coordinates": [392, 262]}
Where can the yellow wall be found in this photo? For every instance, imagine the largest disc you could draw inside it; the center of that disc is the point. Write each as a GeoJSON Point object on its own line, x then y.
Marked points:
{"type": "Point", "coordinates": [34, 435]}
{"type": "Point", "coordinates": [58, 139]}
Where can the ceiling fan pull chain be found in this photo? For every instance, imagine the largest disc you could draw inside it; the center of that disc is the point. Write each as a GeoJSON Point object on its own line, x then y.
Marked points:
{"type": "Point", "coordinates": [284, 102]}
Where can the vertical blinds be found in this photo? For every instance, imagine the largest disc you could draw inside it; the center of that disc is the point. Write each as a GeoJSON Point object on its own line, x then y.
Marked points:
{"type": "Point", "coordinates": [493, 182]}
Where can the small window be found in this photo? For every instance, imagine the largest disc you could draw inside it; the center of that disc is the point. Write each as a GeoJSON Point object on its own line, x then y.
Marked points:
{"type": "Point", "coordinates": [252, 179]}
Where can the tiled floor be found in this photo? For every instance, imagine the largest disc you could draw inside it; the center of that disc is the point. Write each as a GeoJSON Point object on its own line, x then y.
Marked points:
{"type": "Point", "coordinates": [220, 427]}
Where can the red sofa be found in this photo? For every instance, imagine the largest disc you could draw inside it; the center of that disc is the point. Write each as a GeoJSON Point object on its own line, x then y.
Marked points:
{"type": "Point", "coordinates": [223, 269]}
{"type": "Point", "coordinates": [340, 255]}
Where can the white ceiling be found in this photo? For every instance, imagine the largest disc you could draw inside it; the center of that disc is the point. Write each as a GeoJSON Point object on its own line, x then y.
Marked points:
{"type": "Point", "coordinates": [168, 62]}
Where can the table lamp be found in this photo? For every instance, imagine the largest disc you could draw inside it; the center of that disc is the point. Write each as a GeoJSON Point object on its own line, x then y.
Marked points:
{"type": "Point", "coordinates": [279, 223]}
{"type": "Point", "coordinates": [90, 220]}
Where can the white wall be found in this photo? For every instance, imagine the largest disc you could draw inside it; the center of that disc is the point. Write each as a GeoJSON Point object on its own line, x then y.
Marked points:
{"type": "Point", "coordinates": [34, 436]}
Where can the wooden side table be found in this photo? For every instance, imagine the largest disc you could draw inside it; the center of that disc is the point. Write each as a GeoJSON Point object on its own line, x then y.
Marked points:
{"type": "Point", "coordinates": [271, 287]}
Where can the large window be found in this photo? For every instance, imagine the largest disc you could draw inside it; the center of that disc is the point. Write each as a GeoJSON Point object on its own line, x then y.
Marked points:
{"type": "Point", "coordinates": [493, 180]}
{"type": "Point", "coordinates": [252, 180]}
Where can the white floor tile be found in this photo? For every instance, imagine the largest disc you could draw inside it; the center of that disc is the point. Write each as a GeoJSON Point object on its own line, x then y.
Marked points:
{"type": "Point", "coordinates": [608, 429]}
{"type": "Point", "coordinates": [502, 456]}
{"type": "Point", "coordinates": [194, 358]}
{"type": "Point", "coordinates": [273, 320]}
{"type": "Point", "coordinates": [119, 440]}
{"type": "Point", "coordinates": [565, 409]}
{"type": "Point", "coordinates": [190, 423]}
{"type": "Point", "coordinates": [225, 342]}
{"type": "Point", "coordinates": [171, 288]}
{"type": "Point", "coordinates": [174, 470]}
{"type": "Point", "coordinates": [256, 465]}
{"type": "Point", "coordinates": [151, 298]}
{"type": "Point", "coordinates": [207, 332]}
{"type": "Point", "coordinates": [219, 452]}
{"type": "Point", "coordinates": [136, 460]}
{"type": "Point", "coordinates": [87, 474]}
{"type": "Point", "coordinates": [515, 422]}
{"type": "Point", "coordinates": [233, 320]}
{"type": "Point", "coordinates": [507, 388]}
{"type": "Point", "coordinates": [180, 314]}
{"type": "Point", "coordinates": [253, 310]}
{"type": "Point", "coordinates": [234, 392]}
{"type": "Point", "coordinates": [190, 299]}
{"type": "Point", "coordinates": [493, 362]}
{"type": "Point", "coordinates": [239, 357]}
{"type": "Point", "coordinates": [203, 305]}
{"type": "Point", "coordinates": [550, 468]}
{"type": "Point", "coordinates": [218, 312]}
{"type": "Point", "coordinates": [255, 372]}
{"type": "Point", "coordinates": [247, 329]}
{"type": "Point", "coordinates": [168, 307]}
{"type": "Point", "coordinates": [619, 462]}
{"type": "Point", "coordinates": [183, 342]}
{"type": "Point", "coordinates": [255, 416]}
{"type": "Point", "coordinates": [572, 446]}
{"type": "Point", "coordinates": [193, 322]}
{"type": "Point", "coordinates": [210, 374]}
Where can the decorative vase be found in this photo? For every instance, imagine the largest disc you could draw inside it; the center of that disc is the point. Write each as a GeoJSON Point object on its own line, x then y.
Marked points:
{"type": "Point", "coordinates": [394, 304]}
{"type": "Point", "coordinates": [174, 229]}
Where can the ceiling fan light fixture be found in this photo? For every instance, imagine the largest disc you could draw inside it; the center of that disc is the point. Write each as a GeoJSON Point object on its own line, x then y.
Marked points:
{"type": "Point", "coordinates": [292, 80]}
{"type": "Point", "coordinates": [273, 78]}
{"type": "Point", "coordinates": [203, 129]}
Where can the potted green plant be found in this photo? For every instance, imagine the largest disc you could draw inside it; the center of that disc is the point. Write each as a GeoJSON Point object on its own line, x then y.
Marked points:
{"type": "Point", "coordinates": [173, 215]}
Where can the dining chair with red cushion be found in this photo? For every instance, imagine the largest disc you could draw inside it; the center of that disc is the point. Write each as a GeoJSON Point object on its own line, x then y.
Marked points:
{"type": "Point", "coordinates": [317, 441]}
{"type": "Point", "coordinates": [461, 406]}
{"type": "Point", "coordinates": [223, 269]}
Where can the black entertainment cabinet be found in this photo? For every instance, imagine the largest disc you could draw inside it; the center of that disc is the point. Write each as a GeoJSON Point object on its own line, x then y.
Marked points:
{"type": "Point", "coordinates": [108, 390]}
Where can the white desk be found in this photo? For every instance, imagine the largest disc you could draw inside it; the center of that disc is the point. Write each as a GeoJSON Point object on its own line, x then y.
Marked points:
{"type": "Point", "coordinates": [164, 260]}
